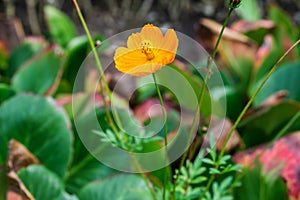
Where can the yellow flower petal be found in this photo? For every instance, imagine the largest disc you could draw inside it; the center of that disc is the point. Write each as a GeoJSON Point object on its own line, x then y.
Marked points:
{"type": "Point", "coordinates": [126, 59]}
{"type": "Point", "coordinates": [152, 33]}
{"type": "Point", "coordinates": [170, 41]}
{"type": "Point", "coordinates": [147, 52]}
{"type": "Point", "coordinates": [134, 41]}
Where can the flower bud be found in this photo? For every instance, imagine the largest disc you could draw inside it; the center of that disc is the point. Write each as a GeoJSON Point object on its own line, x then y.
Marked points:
{"type": "Point", "coordinates": [234, 3]}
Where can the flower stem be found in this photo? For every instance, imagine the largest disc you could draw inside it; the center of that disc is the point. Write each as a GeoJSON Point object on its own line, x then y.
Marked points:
{"type": "Point", "coordinates": [246, 108]}
{"type": "Point", "coordinates": [165, 132]}
{"type": "Point", "coordinates": [201, 94]}
{"type": "Point", "coordinates": [108, 114]}
{"type": "Point", "coordinates": [99, 66]}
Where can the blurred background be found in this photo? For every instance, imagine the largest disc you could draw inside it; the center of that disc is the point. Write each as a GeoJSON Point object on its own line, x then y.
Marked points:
{"type": "Point", "coordinates": [108, 17]}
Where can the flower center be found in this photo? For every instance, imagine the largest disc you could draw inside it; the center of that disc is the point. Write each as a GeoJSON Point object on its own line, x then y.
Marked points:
{"type": "Point", "coordinates": [147, 49]}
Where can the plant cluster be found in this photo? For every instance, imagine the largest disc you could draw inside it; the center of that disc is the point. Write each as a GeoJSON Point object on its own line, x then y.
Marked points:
{"type": "Point", "coordinates": [46, 119]}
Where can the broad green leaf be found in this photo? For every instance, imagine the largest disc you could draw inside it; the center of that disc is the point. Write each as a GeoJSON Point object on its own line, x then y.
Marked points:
{"type": "Point", "coordinates": [185, 87]}
{"type": "Point", "coordinates": [84, 167]}
{"type": "Point", "coordinates": [119, 187]}
{"type": "Point", "coordinates": [286, 77]}
{"type": "Point", "coordinates": [262, 126]}
{"type": "Point", "coordinates": [23, 53]}
{"type": "Point", "coordinates": [233, 97]}
{"type": "Point", "coordinates": [43, 184]}
{"type": "Point", "coordinates": [259, 186]}
{"type": "Point", "coordinates": [285, 28]}
{"type": "Point", "coordinates": [41, 126]}
{"type": "Point", "coordinates": [61, 28]}
{"type": "Point", "coordinates": [38, 75]}
{"type": "Point", "coordinates": [249, 10]}
{"type": "Point", "coordinates": [5, 92]}
{"type": "Point", "coordinates": [77, 50]}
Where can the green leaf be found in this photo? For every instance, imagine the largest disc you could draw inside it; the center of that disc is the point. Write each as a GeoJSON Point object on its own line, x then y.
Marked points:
{"type": "Point", "coordinates": [249, 10]}
{"type": "Point", "coordinates": [198, 180]}
{"type": "Point", "coordinates": [77, 50]}
{"type": "Point", "coordinates": [41, 126]}
{"type": "Point", "coordinates": [214, 171]}
{"type": "Point", "coordinates": [38, 75]}
{"type": "Point", "coordinates": [284, 78]}
{"type": "Point", "coordinates": [43, 184]}
{"type": "Point", "coordinates": [258, 186]}
{"type": "Point", "coordinates": [208, 161]}
{"type": "Point", "coordinates": [23, 53]}
{"type": "Point", "coordinates": [285, 28]}
{"type": "Point", "coordinates": [119, 187]}
{"type": "Point", "coordinates": [172, 122]}
{"type": "Point", "coordinates": [61, 28]}
{"type": "Point", "coordinates": [260, 127]}
{"type": "Point", "coordinates": [5, 92]}
{"type": "Point", "coordinates": [184, 88]}
{"type": "Point", "coordinates": [233, 96]}
{"type": "Point", "coordinates": [85, 168]}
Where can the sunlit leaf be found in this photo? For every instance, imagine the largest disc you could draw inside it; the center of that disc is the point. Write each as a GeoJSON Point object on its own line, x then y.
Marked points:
{"type": "Point", "coordinates": [43, 184]}
{"type": "Point", "coordinates": [131, 187]}
{"type": "Point", "coordinates": [61, 28]}
{"type": "Point", "coordinates": [38, 75]}
{"type": "Point", "coordinates": [41, 126]}
{"type": "Point", "coordinates": [249, 10]}
{"type": "Point", "coordinates": [30, 47]}
{"type": "Point", "coordinates": [284, 78]}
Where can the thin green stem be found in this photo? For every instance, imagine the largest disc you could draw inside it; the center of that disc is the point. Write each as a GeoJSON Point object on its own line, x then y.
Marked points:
{"type": "Point", "coordinates": [108, 114]}
{"type": "Point", "coordinates": [99, 66]}
{"type": "Point", "coordinates": [201, 94]}
{"type": "Point", "coordinates": [162, 109]}
{"type": "Point", "coordinates": [165, 132]}
{"type": "Point", "coordinates": [247, 107]}
{"type": "Point", "coordinates": [253, 97]}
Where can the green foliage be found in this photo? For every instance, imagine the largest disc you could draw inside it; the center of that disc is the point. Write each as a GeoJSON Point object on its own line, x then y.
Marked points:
{"type": "Point", "coordinates": [5, 92]}
{"type": "Point", "coordinates": [285, 78]}
{"type": "Point", "coordinates": [123, 186]}
{"type": "Point", "coordinates": [61, 28]}
{"type": "Point", "coordinates": [249, 10]}
{"type": "Point", "coordinates": [259, 185]}
{"type": "Point", "coordinates": [39, 74]}
{"type": "Point", "coordinates": [254, 128]}
{"type": "Point", "coordinates": [84, 168]}
{"type": "Point", "coordinates": [192, 179]}
{"type": "Point", "coordinates": [44, 184]}
{"type": "Point", "coordinates": [187, 86]}
{"type": "Point", "coordinates": [26, 119]}
{"type": "Point", "coordinates": [28, 49]}
{"type": "Point", "coordinates": [68, 171]}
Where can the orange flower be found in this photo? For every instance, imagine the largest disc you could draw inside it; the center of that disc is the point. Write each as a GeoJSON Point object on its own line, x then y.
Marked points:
{"type": "Point", "coordinates": [147, 51]}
